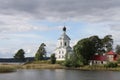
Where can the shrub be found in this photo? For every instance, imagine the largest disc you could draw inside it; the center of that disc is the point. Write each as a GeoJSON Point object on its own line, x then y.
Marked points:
{"type": "Point", "coordinates": [111, 65]}
{"type": "Point", "coordinates": [67, 63]}
{"type": "Point", "coordinates": [53, 59]}
{"type": "Point", "coordinates": [118, 60]}
{"type": "Point", "coordinates": [60, 62]}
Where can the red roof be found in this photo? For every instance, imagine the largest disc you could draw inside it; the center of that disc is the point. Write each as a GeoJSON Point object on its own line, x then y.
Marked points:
{"type": "Point", "coordinates": [110, 53]}
{"type": "Point", "coordinates": [99, 58]}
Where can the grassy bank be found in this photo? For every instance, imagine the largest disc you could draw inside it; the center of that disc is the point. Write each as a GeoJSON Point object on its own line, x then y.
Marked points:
{"type": "Point", "coordinates": [48, 65]}
{"type": "Point", "coordinates": [98, 68]}
{"type": "Point", "coordinates": [58, 65]}
{"type": "Point", "coordinates": [42, 65]}
{"type": "Point", "coordinates": [7, 68]}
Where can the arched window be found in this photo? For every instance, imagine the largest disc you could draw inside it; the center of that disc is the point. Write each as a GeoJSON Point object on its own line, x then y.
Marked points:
{"type": "Point", "coordinates": [65, 44]}
{"type": "Point", "coordinates": [59, 52]}
{"type": "Point", "coordinates": [62, 52]}
{"type": "Point", "coordinates": [61, 43]}
{"type": "Point", "coordinates": [59, 57]}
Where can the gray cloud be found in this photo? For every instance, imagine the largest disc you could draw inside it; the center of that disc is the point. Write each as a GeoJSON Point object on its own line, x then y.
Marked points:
{"type": "Point", "coordinates": [94, 10]}
{"type": "Point", "coordinates": [115, 27]}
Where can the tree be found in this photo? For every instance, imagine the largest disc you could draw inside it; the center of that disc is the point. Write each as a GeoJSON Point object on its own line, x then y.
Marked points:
{"type": "Point", "coordinates": [20, 55]}
{"type": "Point", "coordinates": [41, 53]}
{"type": "Point", "coordinates": [107, 43]}
{"type": "Point", "coordinates": [84, 50]}
{"type": "Point", "coordinates": [97, 44]}
{"type": "Point", "coordinates": [117, 49]}
{"type": "Point", "coordinates": [53, 58]}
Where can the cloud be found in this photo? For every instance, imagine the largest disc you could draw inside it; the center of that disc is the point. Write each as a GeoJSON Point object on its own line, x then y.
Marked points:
{"type": "Point", "coordinates": [12, 24]}
{"type": "Point", "coordinates": [6, 52]}
{"type": "Point", "coordinates": [16, 18]}
{"type": "Point", "coordinates": [88, 10]}
{"type": "Point", "coordinates": [115, 26]}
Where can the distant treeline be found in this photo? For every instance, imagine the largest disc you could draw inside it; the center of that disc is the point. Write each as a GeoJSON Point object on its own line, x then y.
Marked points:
{"type": "Point", "coordinates": [11, 60]}
{"type": "Point", "coordinates": [16, 60]}
{"type": "Point", "coordinates": [27, 59]}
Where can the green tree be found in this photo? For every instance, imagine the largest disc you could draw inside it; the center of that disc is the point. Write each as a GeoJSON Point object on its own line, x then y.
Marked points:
{"type": "Point", "coordinates": [53, 58]}
{"type": "Point", "coordinates": [84, 50]}
{"type": "Point", "coordinates": [20, 55]}
{"type": "Point", "coordinates": [107, 43]}
{"type": "Point", "coordinates": [41, 53]}
{"type": "Point", "coordinates": [97, 44]}
{"type": "Point", "coordinates": [117, 49]}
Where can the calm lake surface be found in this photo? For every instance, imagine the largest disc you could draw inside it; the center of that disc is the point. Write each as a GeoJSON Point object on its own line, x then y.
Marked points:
{"type": "Point", "coordinates": [60, 74]}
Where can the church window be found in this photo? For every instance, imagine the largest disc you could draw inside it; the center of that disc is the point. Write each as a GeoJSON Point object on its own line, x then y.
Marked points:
{"type": "Point", "coordinates": [65, 44]}
{"type": "Point", "coordinates": [59, 52]}
{"type": "Point", "coordinates": [59, 56]}
{"type": "Point", "coordinates": [61, 43]}
{"type": "Point", "coordinates": [62, 52]}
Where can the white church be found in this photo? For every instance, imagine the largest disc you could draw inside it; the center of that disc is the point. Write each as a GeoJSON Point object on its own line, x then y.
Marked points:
{"type": "Point", "coordinates": [63, 46]}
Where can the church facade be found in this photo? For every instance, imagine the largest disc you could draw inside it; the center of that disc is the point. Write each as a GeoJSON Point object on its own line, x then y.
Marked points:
{"type": "Point", "coordinates": [63, 46]}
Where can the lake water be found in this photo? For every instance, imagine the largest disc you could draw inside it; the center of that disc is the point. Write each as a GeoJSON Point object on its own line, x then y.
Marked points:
{"type": "Point", "coordinates": [60, 74]}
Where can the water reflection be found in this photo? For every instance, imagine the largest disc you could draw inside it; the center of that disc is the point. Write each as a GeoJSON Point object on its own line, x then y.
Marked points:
{"type": "Point", "coordinates": [60, 75]}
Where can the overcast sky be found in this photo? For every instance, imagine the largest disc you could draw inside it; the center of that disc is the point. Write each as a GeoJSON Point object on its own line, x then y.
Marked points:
{"type": "Point", "coordinates": [28, 23]}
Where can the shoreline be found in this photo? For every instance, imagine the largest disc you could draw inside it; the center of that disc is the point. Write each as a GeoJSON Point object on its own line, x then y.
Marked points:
{"type": "Point", "coordinates": [12, 68]}
{"type": "Point", "coordinates": [58, 66]}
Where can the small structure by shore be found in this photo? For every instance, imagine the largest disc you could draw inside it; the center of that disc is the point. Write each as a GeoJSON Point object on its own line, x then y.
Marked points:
{"type": "Point", "coordinates": [104, 58]}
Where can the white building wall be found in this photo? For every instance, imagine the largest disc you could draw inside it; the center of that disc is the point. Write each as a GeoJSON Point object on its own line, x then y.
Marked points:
{"type": "Point", "coordinates": [95, 62]}
{"type": "Point", "coordinates": [110, 58]}
{"type": "Point", "coordinates": [60, 54]}
{"type": "Point", "coordinates": [61, 43]}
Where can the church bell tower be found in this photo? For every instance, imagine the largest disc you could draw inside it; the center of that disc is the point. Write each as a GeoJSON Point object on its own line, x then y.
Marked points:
{"type": "Point", "coordinates": [63, 46]}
